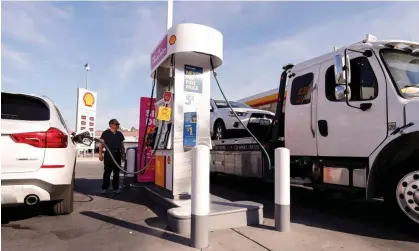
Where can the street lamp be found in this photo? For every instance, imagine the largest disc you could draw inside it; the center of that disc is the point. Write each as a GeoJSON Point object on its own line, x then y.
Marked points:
{"type": "Point", "coordinates": [87, 67]}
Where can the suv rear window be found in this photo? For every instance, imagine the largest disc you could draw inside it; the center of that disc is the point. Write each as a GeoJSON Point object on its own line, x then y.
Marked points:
{"type": "Point", "coordinates": [23, 107]}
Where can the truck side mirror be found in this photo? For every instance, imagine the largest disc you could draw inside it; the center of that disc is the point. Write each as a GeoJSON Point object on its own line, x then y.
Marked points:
{"type": "Point", "coordinates": [341, 92]}
{"type": "Point", "coordinates": [342, 70]}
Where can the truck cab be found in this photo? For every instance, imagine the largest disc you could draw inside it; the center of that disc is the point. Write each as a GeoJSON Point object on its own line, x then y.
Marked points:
{"type": "Point", "coordinates": [350, 119]}
{"type": "Point", "coordinates": [354, 113]}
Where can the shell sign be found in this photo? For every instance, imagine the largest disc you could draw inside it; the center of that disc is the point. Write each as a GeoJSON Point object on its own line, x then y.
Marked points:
{"type": "Point", "coordinates": [88, 99]}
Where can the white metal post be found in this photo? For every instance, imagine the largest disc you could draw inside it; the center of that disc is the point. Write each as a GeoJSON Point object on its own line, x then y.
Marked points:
{"type": "Point", "coordinates": [200, 196]}
{"type": "Point", "coordinates": [282, 190]}
{"type": "Point", "coordinates": [169, 14]}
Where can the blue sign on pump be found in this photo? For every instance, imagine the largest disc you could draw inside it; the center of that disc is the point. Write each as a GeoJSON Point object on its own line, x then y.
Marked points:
{"type": "Point", "coordinates": [189, 129]}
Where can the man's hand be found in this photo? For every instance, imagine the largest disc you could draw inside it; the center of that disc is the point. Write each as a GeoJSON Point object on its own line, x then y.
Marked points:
{"type": "Point", "coordinates": [101, 157]}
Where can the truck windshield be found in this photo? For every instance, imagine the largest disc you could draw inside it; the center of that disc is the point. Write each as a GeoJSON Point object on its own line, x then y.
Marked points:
{"type": "Point", "coordinates": [404, 69]}
{"type": "Point", "coordinates": [223, 104]}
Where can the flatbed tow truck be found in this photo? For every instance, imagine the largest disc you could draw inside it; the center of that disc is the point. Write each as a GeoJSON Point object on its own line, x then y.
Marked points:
{"type": "Point", "coordinates": [351, 122]}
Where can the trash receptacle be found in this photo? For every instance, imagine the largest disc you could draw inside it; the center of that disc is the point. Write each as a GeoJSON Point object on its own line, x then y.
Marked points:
{"type": "Point", "coordinates": [131, 161]}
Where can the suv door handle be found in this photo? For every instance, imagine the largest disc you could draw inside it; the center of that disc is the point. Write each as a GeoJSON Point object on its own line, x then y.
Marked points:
{"type": "Point", "coordinates": [323, 129]}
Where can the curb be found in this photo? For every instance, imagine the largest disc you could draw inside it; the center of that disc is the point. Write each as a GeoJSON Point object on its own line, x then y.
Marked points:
{"type": "Point", "coordinates": [87, 160]}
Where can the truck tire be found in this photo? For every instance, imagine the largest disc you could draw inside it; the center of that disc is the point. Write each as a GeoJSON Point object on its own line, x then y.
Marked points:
{"type": "Point", "coordinates": [402, 196]}
{"type": "Point", "coordinates": [65, 206]}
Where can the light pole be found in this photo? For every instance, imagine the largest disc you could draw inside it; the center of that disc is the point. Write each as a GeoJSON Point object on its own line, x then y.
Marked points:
{"type": "Point", "coordinates": [87, 67]}
{"type": "Point", "coordinates": [169, 14]}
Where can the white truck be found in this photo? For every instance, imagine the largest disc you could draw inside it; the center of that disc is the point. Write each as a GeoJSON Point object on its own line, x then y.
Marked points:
{"type": "Point", "coordinates": [351, 122]}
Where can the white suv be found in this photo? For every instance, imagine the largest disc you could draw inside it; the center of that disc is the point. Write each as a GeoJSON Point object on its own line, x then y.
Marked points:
{"type": "Point", "coordinates": [38, 156]}
{"type": "Point", "coordinates": [224, 124]}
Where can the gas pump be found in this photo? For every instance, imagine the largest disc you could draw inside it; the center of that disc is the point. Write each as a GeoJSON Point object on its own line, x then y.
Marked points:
{"type": "Point", "coordinates": [181, 65]}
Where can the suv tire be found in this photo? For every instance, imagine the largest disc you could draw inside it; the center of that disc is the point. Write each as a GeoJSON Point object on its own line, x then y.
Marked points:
{"type": "Point", "coordinates": [65, 206]}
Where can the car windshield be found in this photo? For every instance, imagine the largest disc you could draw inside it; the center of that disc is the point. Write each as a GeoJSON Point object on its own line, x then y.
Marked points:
{"type": "Point", "coordinates": [234, 104]}
{"type": "Point", "coordinates": [404, 69]}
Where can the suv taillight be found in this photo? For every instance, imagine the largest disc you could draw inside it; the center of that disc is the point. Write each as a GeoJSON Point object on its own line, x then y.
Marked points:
{"type": "Point", "coordinates": [52, 138]}
{"type": "Point", "coordinates": [56, 138]}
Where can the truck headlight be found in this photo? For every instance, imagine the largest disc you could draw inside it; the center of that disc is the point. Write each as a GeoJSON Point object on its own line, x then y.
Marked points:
{"type": "Point", "coordinates": [240, 114]}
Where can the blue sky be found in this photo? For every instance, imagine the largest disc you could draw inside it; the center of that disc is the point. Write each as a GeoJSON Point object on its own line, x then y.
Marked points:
{"type": "Point", "coordinates": [46, 44]}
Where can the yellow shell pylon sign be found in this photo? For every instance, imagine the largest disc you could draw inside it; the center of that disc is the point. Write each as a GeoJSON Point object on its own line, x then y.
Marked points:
{"type": "Point", "coordinates": [88, 99]}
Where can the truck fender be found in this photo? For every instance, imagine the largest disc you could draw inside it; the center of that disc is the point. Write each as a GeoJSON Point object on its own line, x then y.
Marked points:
{"type": "Point", "coordinates": [394, 150]}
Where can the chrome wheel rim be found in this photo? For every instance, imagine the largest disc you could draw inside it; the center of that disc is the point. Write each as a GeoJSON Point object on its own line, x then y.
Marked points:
{"type": "Point", "coordinates": [407, 195]}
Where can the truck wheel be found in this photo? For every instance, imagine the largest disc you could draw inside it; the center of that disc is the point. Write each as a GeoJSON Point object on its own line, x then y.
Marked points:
{"type": "Point", "coordinates": [219, 130]}
{"type": "Point", "coordinates": [65, 206]}
{"type": "Point", "coordinates": [403, 194]}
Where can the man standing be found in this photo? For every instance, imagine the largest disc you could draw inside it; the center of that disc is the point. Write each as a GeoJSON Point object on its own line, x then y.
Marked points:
{"type": "Point", "coordinates": [114, 139]}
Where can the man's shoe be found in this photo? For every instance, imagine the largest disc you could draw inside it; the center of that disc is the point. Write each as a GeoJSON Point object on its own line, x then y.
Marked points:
{"type": "Point", "coordinates": [117, 191]}
{"type": "Point", "coordinates": [104, 191]}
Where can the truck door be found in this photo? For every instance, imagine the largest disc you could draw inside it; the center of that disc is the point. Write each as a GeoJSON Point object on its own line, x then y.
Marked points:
{"type": "Point", "coordinates": [300, 115]}
{"type": "Point", "coordinates": [344, 131]}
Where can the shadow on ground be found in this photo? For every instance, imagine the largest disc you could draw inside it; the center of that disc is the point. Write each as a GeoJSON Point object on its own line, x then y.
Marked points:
{"type": "Point", "coordinates": [11, 214]}
{"type": "Point", "coordinates": [320, 210]}
{"type": "Point", "coordinates": [138, 228]}
{"type": "Point", "coordinates": [89, 189]}
{"type": "Point", "coordinates": [307, 207]}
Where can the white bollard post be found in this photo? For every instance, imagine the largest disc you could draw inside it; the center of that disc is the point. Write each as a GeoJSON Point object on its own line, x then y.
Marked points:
{"type": "Point", "coordinates": [282, 190]}
{"type": "Point", "coordinates": [200, 196]}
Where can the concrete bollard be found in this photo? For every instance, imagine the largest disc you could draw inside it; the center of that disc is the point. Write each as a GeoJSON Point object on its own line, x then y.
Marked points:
{"type": "Point", "coordinates": [282, 190]}
{"type": "Point", "coordinates": [200, 196]}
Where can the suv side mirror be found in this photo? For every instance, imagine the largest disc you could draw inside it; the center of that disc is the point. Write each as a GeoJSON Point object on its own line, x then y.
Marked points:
{"type": "Point", "coordinates": [211, 109]}
{"type": "Point", "coordinates": [342, 70]}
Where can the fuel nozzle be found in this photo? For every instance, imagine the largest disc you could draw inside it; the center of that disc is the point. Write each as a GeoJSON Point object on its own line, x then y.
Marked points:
{"type": "Point", "coordinates": [83, 138]}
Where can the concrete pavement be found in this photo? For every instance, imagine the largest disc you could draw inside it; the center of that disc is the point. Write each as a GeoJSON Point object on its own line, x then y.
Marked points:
{"type": "Point", "coordinates": [130, 222]}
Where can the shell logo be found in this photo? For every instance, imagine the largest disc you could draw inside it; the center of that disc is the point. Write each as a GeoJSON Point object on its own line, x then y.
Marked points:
{"type": "Point", "coordinates": [88, 99]}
